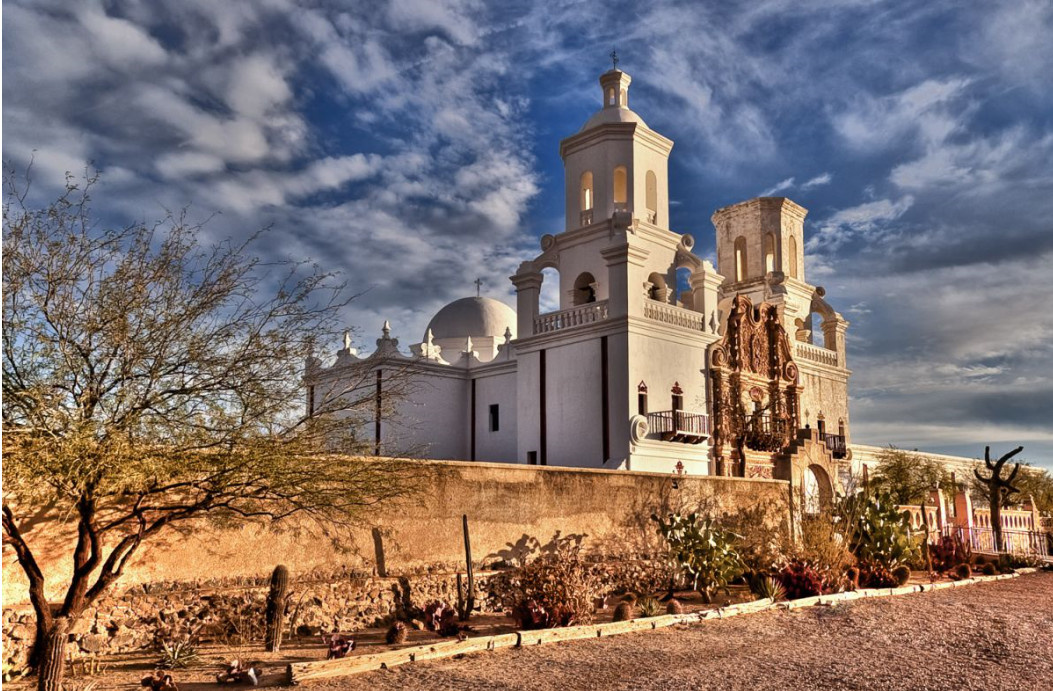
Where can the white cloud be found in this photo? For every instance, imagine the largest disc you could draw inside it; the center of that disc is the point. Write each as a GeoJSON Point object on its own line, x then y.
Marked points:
{"type": "Point", "coordinates": [818, 181]}
{"type": "Point", "coordinates": [780, 186]}
{"type": "Point", "coordinates": [863, 218]}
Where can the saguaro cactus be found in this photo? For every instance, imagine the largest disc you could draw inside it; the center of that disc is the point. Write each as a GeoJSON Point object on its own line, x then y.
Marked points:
{"type": "Point", "coordinates": [999, 489]}
{"type": "Point", "coordinates": [54, 657]}
{"type": "Point", "coordinates": [276, 601]}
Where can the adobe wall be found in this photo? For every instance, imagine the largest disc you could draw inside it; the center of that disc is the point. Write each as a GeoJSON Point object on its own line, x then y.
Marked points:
{"type": "Point", "coordinates": [513, 511]}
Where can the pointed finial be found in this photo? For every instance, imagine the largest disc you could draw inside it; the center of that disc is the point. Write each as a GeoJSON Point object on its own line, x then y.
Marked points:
{"type": "Point", "coordinates": [614, 58]}
{"type": "Point", "coordinates": [347, 340]}
{"type": "Point", "coordinates": [429, 337]}
{"type": "Point", "coordinates": [478, 287]}
{"type": "Point", "coordinates": [468, 347]}
{"type": "Point", "coordinates": [508, 334]}
{"type": "Point", "coordinates": [386, 329]}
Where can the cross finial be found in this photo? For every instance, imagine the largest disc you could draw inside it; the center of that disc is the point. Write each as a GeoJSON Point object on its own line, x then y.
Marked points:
{"type": "Point", "coordinates": [478, 287]}
{"type": "Point", "coordinates": [614, 58]}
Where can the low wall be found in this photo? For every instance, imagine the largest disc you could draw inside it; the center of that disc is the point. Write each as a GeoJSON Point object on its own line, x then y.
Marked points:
{"type": "Point", "coordinates": [514, 512]}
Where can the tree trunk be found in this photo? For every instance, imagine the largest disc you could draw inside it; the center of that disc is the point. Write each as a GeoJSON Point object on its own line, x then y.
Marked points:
{"type": "Point", "coordinates": [53, 658]}
{"type": "Point", "coordinates": [276, 599]}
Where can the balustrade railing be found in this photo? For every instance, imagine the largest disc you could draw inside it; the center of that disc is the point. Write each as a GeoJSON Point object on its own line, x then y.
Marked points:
{"type": "Point", "coordinates": [677, 316]}
{"type": "Point", "coordinates": [1029, 542]}
{"type": "Point", "coordinates": [589, 313]}
{"type": "Point", "coordinates": [836, 444]}
{"type": "Point", "coordinates": [679, 425]}
{"type": "Point", "coordinates": [807, 351]}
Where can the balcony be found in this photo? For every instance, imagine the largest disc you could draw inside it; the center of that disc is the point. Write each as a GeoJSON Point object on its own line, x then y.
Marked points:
{"type": "Point", "coordinates": [589, 313]}
{"type": "Point", "coordinates": [679, 426]}
{"type": "Point", "coordinates": [836, 444]}
{"type": "Point", "coordinates": [762, 433]}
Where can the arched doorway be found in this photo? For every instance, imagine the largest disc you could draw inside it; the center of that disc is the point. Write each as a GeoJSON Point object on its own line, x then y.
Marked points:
{"type": "Point", "coordinates": [817, 489]}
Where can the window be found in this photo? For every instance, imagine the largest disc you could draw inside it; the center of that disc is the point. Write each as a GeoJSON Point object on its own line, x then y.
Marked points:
{"type": "Point", "coordinates": [678, 397]}
{"type": "Point", "coordinates": [769, 253]}
{"type": "Point", "coordinates": [310, 401]}
{"type": "Point", "coordinates": [586, 191]}
{"type": "Point", "coordinates": [652, 197]}
{"type": "Point", "coordinates": [641, 399]}
{"type": "Point", "coordinates": [610, 96]}
{"type": "Point", "coordinates": [624, 100]}
{"type": "Point", "coordinates": [821, 423]}
{"type": "Point", "coordinates": [495, 418]}
{"type": "Point", "coordinates": [793, 257]}
{"type": "Point", "coordinates": [532, 457]}
{"type": "Point", "coordinates": [740, 259]}
{"type": "Point", "coordinates": [621, 185]}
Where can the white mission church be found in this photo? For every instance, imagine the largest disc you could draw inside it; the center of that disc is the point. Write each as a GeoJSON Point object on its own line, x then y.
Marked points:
{"type": "Point", "coordinates": [742, 372]}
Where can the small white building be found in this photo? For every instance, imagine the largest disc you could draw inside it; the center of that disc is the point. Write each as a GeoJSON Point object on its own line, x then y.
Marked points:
{"type": "Point", "coordinates": [655, 360]}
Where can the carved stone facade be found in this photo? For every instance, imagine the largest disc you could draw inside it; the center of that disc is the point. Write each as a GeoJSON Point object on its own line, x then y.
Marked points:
{"type": "Point", "coordinates": [755, 391]}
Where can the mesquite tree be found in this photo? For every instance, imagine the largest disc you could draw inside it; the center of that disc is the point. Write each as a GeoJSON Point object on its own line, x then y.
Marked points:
{"type": "Point", "coordinates": [999, 488]}
{"type": "Point", "coordinates": [150, 383]}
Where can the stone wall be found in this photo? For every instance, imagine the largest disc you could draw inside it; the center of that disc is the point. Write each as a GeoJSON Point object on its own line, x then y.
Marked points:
{"type": "Point", "coordinates": [514, 512]}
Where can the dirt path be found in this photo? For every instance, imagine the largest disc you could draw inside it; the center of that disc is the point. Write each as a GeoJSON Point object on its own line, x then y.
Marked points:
{"type": "Point", "coordinates": [985, 637]}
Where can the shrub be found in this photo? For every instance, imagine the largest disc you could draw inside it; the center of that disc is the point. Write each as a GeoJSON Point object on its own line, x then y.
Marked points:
{"type": "Point", "coordinates": [556, 589]}
{"type": "Point", "coordinates": [674, 607]}
{"type": "Point", "coordinates": [874, 574]}
{"type": "Point", "coordinates": [989, 569]}
{"type": "Point", "coordinates": [963, 571]}
{"type": "Point", "coordinates": [823, 545]}
{"type": "Point", "coordinates": [623, 612]}
{"type": "Point", "coordinates": [177, 645]}
{"type": "Point", "coordinates": [441, 618]}
{"type": "Point", "coordinates": [649, 607]}
{"type": "Point", "coordinates": [1008, 563]}
{"type": "Point", "coordinates": [879, 532]}
{"type": "Point", "coordinates": [901, 574]}
{"type": "Point", "coordinates": [949, 552]}
{"type": "Point", "coordinates": [397, 633]}
{"type": "Point", "coordinates": [702, 551]}
{"type": "Point", "coordinates": [800, 579]}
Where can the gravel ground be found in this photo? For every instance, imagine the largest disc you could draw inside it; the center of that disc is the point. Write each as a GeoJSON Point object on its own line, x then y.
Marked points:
{"type": "Point", "coordinates": [984, 637]}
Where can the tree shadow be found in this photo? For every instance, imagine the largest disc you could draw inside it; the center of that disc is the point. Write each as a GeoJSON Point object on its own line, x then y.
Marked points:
{"type": "Point", "coordinates": [526, 547]}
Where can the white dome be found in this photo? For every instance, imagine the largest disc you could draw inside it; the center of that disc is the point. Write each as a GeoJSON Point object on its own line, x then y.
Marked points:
{"type": "Point", "coordinates": [605, 116]}
{"type": "Point", "coordinates": [476, 317]}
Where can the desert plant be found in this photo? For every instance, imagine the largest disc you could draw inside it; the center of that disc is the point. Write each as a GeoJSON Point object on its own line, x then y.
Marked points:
{"type": "Point", "coordinates": [852, 576]}
{"type": "Point", "coordinates": [901, 574]}
{"type": "Point", "coordinates": [397, 633]}
{"type": "Point", "coordinates": [949, 552]}
{"type": "Point", "coordinates": [989, 569]}
{"type": "Point", "coordinates": [702, 551]}
{"type": "Point", "coordinates": [674, 607]}
{"type": "Point", "coordinates": [179, 652]}
{"type": "Point", "coordinates": [963, 571]}
{"type": "Point", "coordinates": [769, 587]}
{"type": "Point", "coordinates": [874, 574]}
{"type": "Point", "coordinates": [556, 589]}
{"type": "Point", "coordinates": [880, 532]}
{"type": "Point", "coordinates": [441, 618]}
{"type": "Point", "coordinates": [623, 612]}
{"type": "Point", "coordinates": [277, 600]}
{"type": "Point", "coordinates": [649, 606]}
{"type": "Point", "coordinates": [800, 579]}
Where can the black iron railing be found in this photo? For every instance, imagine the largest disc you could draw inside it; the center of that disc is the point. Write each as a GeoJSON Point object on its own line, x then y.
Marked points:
{"type": "Point", "coordinates": [679, 425]}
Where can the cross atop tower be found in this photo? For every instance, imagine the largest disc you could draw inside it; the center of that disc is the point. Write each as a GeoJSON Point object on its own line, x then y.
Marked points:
{"type": "Point", "coordinates": [614, 58]}
{"type": "Point", "coordinates": [478, 287]}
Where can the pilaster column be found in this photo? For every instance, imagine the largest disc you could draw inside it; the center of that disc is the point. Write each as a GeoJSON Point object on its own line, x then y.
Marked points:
{"type": "Point", "coordinates": [625, 279]}
{"type": "Point", "coordinates": [528, 295]}
{"type": "Point", "coordinates": [834, 330]}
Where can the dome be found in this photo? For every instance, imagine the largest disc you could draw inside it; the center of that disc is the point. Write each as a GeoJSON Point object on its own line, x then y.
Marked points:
{"type": "Point", "coordinates": [476, 317]}
{"type": "Point", "coordinates": [605, 116]}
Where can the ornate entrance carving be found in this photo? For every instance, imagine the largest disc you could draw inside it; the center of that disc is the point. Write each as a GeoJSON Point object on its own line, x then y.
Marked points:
{"type": "Point", "coordinates": [755, 390]}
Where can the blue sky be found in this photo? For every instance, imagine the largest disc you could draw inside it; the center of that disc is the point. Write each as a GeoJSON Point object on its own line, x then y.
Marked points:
{"type": "Point", "coordinates": [413, 145]}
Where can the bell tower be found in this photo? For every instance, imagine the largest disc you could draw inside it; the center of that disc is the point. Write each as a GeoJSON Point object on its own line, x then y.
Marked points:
{"type": "Point", "coordinates": [616, 164]}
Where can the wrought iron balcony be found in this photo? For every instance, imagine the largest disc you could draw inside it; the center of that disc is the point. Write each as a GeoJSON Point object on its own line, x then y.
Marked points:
{"type": "Point", "coordinates": [836, 444]}
{"type": "Point", "coordinates": [679, 426]}
{"type": "Point", "coordinates": [762, 433]}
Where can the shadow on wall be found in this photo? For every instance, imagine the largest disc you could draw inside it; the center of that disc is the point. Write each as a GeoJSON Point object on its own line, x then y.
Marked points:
{"type": "Point", "coordinates": [522, 550]}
